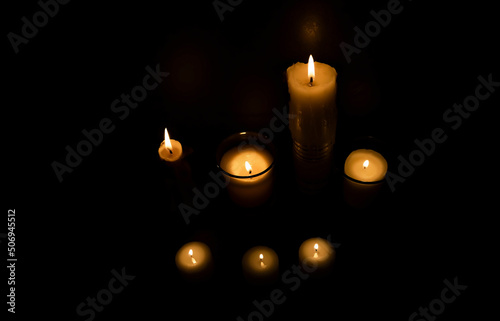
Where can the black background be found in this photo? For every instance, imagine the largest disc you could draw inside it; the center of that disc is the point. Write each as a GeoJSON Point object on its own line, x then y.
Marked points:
{"type": "Point", "coordinates": [118, 208]}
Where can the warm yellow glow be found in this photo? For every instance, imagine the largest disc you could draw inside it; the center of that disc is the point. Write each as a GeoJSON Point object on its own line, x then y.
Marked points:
{"type": "Point", "coordinates": [261, 256]}
{"type": "Point", "coordinates": [191, 252]}
{"type": "Point", "coordinates": [168, 144]}
{"type": "Point", "coordinates": [316, 247]}
{"type": "Point", "coordinates": [249, 168]}
{"type": "Point", "coordinates": [310, 69]}
{"type": "Point", "coordinates": [366, 163]}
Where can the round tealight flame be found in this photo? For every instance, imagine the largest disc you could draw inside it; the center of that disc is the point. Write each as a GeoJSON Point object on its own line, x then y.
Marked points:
{"type": "Point", "coordinates": [310, 69]}
{"type": "Point", "coordinates": [316, 247]}
{"type": "Point", "coordinates": [365, 164]}
{"type": "Point", "coordinates": [191, 252]}
{"type": "Point", "coordinates": [168, 144]}
{"type": "Point", "coordinates": [248, 167]}
{"type": "Point", "coordinates": [261, 256]}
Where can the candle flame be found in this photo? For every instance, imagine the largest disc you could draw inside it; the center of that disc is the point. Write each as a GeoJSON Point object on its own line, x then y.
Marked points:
{"type": "Point", "coordinates": [168, 144]}
{"type": "Point", "coordinates": [192, 258]}
{"type": "Point", "coordinates": [248, 167]}
{"type": "Point", "coordinates": [310, 69]}
{"type": "Point", "coordinates": [365, 164]}
{"type": "Point", "coordinates": [262, 265]}
{"type": "Point", "coordinates": [316, 247]}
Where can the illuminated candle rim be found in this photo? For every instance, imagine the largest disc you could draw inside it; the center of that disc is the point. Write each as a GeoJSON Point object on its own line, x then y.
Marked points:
{"type": "Point", "coordinates": [250, 175]}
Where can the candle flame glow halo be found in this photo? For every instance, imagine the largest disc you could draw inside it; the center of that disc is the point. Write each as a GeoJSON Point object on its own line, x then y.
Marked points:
{"type": "Point", "coordinates": [366, 163]}
{"type": "Point", "coordinates": [310, 68]}
{"type": "Point", "coordinates": [261, 256]}
{"type": "Point", "coordinates": [316, 246]}
{"type": "Point", "coordinates": [191, 252]}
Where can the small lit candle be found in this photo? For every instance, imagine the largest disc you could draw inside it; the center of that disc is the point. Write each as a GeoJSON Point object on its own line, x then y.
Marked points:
{"type": "Point", "coordinates": [191, 254]}
{"type": "Point", "coordinates": [194, 260]}
{"type": "Point", "coordinates": [365, 165]}
{"type": "Point", "coordinates": [260, 265]}
{"type": "Point", "coordinates": [364, 171]}
{"type": "Point", "coordinates": [316, 255]}
{"type": "Point", "coordinates": [170, 150]}
{"type": "Point", "coordinates": [249, 172]}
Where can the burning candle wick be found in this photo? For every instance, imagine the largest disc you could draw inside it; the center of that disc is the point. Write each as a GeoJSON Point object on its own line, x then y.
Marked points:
{"type": "Point", "coordinates": [248, 167]}
{"type": "Point", "coordinates": [192, 258]}
{"type": "Point", "coordinates": [310, 70]}
{"type": "Point", "coordinates": [262, 265]}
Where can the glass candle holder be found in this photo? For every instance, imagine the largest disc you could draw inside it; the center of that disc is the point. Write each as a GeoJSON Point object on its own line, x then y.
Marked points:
{"type": "Point", "coordinates": [247, 165]}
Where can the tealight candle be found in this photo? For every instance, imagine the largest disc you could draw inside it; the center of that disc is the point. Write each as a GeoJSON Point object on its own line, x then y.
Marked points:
{"type": "Point", "coordinates": [194, 260]}
{"type": "Point", "coordinates": [260, 265]}
{"type": "Point", "coordinates": [170, 150]}
{"type": "Point", "coordinates": [248, 168]}
{"type": "Point", "coordinates": [316, 255]}
{"type": "Point", "coordinates": [313, 120]}
{"type": "Point", "coordinates": [364, 171]}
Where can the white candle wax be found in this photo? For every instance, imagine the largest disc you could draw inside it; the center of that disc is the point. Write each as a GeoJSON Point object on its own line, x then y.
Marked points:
{"type": "Point", "coordinates": [260, 265]}
{"type": "Point", "coordinates": [252, 187]}
{"type": "Point", "coordinates": [313, 112]}
{"type": "Point", "coordinates": [316, 255]}
{"type": "Point", "coordinates": [313, 121]}
{"type": "Point", "coordinates": [365, 170]}
{"type": "Point", "coordinates": [194, 260]}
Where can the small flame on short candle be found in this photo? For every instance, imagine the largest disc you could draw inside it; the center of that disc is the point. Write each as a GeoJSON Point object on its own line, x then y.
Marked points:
{"type": "Point", "coordinates": [310, 70]}
{"type": "Point", "coordinates": [316, 250]}
{"type": "Point", "coordinates": [248, 167]}
{"type": "Point", "coordinates": [365, 164]}
{"type": "Point", "coordinates": [261, 256]}
{"type": "Point", "coordinates": [191, 253]}
{"type": "Point", "coordinates": [168, 144]}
